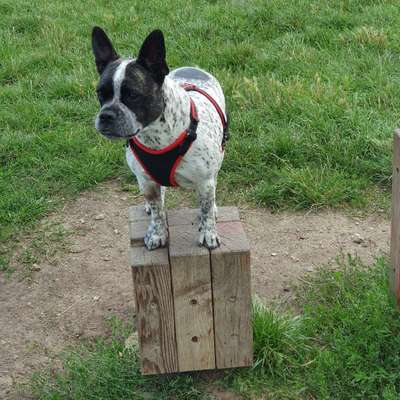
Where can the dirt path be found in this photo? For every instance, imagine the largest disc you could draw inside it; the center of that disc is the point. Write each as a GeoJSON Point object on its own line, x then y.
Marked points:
{"type": "Point", "coordinates": [70, 295]}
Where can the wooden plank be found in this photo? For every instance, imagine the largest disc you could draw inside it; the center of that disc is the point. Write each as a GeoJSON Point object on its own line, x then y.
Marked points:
{"type": "Point", "coordinates": [154, 310]}
{"type": "Point", "coordinates": [394, 272]}
{"type": "Point", "coordinates": [230, 269]}
{"type": "Point", "coordinates": [137, 213]}
{"type": "Point", "coordinates": [137, 231]}
{"type": "Point", "coordinates": [184, 216]}
{"type": "Point", "coordinates": [191, 283]}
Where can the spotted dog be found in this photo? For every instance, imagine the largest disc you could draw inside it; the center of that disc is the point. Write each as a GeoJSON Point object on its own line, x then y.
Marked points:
{"type": "Point", "coordinates": [175, 125]}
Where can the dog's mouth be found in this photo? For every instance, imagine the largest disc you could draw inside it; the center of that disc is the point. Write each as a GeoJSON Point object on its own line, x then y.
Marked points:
{"type": "Point", "coordinates": [137, 131]}
{"type": "Point", "coordinates": [112, 136]}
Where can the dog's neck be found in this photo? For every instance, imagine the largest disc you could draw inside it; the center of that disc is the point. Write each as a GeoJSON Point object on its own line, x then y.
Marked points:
{"type": "Point", "coordinates": [172, 122]}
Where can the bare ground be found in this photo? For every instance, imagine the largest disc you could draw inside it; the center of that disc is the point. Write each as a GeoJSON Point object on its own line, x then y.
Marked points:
{"type": "Point", "coordinates": [65, 296]}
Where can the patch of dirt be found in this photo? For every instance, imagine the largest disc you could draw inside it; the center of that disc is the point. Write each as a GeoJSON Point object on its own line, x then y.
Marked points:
{"type": "Point", "coordinates": [286, 246]}
{"type": "Point", "coordinates": [70, 296]}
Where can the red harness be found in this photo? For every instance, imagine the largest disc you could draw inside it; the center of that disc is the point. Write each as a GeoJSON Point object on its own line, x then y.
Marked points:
{"type": "Point", "coordinates": [161, 164]}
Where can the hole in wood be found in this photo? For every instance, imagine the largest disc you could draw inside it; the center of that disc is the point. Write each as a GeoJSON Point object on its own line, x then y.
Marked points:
{"type": "Point", "coordinates": [232, 299]}
{"type": "Point", "coordinates": [195, 339]}
{"type": "Point", "coordinates": [193, 302]}
{"type": "Point", "coordinates": [397, 169]}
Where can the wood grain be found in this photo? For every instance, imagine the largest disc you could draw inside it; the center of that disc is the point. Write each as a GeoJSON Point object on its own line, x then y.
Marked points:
{"type": "Point", "coordinates": [184, 216]}
{"type": "Point", "coordinates": [154, 310]}
{"type": "Point", "coordinates": [394, 272]}
{"type": "Point", "coordinates": [230, 268]}
{"type": "Point", "coordinates": [137, 213]}
{"type": "Point", "coordinates": [137, 231]}
{"type": "Point", "coordinates": [191, 282]}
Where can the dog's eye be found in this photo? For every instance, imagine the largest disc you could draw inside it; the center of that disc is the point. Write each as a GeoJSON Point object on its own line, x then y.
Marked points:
{"type": "Point", "coordinates": [133, 96]}
{"type": "Point", "coordinates": [100, 95]}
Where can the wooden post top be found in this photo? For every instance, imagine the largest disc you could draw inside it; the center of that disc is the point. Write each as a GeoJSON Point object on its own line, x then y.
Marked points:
{"type": "Point", "coordinates": [183, 235]}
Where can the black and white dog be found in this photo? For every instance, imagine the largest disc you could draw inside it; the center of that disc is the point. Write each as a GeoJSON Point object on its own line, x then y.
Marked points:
{"type": "Point", "coordinates": [174, 122]}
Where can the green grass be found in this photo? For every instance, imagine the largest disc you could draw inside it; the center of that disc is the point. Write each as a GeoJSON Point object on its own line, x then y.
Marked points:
{"type": "Point", "coordinates": [345, 344]}
{"type": "Point", "coordinates": [312, 87]}
{"type": "Point", "coordinates": [107, 370]}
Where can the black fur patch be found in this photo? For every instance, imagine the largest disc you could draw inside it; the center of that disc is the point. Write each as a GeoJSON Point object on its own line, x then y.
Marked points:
{"type": "Point", "coordinates": [105, 88]}
{"type": "Point", "coordinates": [141, 94]}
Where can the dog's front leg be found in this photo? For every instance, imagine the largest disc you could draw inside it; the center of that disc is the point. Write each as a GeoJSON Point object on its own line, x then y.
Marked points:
{"type": "Point", "coordinates": [208, 231]}
{"type": "Point", "coordinates": [157, 233]}
{"type": "Point", "coordinates": [147, 205]}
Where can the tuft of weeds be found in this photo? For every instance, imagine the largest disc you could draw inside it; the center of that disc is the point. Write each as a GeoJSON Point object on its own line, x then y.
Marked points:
{"type": "Point", "coordinates": [344, 345]}
{"type": "Point", "coordinates": [278, 341]}
{"type": "Point", "coordinates": [357, 331]}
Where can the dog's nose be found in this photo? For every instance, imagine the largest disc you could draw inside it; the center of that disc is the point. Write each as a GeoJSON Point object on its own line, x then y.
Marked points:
{"type": "Point", "coordinates": [107, 116]}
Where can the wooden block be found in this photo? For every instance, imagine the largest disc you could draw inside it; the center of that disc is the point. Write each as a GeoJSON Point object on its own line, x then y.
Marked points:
{"type": "Point", "coordinates": [155, 310]}
{"type": "Point", "coordinates": [184, 216]}
{"type": "Point", "coordinates": [191, 282]}
{"type": "Point", "coordinates": [137, 231]}
{"type": "Point", "coordinates": [193, 305]}
{"type": "Point", "coordinates": [230, 266]}
{"type": "Point", "coordinates": [137, 213]}
{"type": "Point", "coordinates": [394, 272]}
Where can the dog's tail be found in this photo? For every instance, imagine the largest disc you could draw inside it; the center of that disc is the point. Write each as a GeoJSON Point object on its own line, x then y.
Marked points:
{"type": "Point", "coordinates": [225, 135]}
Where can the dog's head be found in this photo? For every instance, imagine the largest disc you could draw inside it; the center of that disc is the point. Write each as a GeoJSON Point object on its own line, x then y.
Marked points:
{"type": "Point", "coordinates": [129, 90]}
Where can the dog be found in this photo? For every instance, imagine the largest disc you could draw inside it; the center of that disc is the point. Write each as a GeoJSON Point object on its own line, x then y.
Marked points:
{"type": "Point", "coordinates": [175, 124]}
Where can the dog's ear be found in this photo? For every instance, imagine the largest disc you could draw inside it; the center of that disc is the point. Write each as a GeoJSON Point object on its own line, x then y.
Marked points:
{"type": "Point", "coordinates": [152, 56]}
{"type": "Point", "coordinates": [103, 50]}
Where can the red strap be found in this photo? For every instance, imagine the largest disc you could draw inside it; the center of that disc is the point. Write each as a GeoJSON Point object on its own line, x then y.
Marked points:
{"type": "Point", "coordinates": [149, 150]}
{"type": "Point", "coordinates": [177, 142]}
{"type": "Point", "coordinates": [190, 87]}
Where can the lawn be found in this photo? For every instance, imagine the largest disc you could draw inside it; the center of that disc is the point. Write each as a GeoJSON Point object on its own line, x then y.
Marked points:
{"type": "Point", "coordinates": [312, 88]}
{"type": "Point", "coordinates": [313, 92]}
{"type": "Point", "coordinates": [345, 344]}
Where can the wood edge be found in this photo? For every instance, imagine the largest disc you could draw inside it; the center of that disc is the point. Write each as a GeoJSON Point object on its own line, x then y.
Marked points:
{"type": "Point", "coordinates": [244, 245]}
{"type": "Point", "coordinates": [161, 261]}
{"type": "Point", "coordinates": [136, 232]}
{"type": "Point", "coordinates": [394, 273]}
{"type": "Point", "coordinates": [221, 251]}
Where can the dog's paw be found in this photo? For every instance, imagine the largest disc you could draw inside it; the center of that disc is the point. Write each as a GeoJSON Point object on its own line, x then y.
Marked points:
{"type": "Point", "coordinates": [209, 238]}
{"type": "Point", "coordinates": [147, 208]}
{"type": "Point", "coordinates": [156, 236]}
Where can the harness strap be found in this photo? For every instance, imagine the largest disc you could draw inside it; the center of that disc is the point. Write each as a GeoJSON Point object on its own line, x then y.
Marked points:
{"type": "Point", "coordinates": [190, 87]}
{"type": "Point", "coordinates": [161, 164]}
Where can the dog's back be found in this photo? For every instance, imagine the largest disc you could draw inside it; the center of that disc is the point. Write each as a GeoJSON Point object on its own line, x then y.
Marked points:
{"type": "Point", "coordinates": [201, 79]}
